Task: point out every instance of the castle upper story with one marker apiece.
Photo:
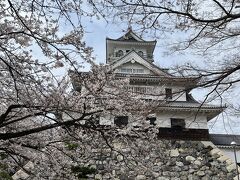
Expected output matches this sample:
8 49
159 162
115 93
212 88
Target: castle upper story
129 42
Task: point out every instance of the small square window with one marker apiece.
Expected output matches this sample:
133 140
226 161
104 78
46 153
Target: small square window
121 120
168 93
178 123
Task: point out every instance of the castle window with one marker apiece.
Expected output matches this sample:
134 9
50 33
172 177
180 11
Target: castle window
140 53
152 120
119 53
168 93
132 71
121 121
138 71
177 123
126 70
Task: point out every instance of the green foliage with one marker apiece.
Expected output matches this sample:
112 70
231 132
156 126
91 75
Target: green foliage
71 146
3 156
3 166
82 172
5 176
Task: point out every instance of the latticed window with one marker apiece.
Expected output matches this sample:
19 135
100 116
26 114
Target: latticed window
132 71
138 71
126 70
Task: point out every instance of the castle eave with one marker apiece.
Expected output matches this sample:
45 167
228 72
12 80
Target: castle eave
131 42
210 110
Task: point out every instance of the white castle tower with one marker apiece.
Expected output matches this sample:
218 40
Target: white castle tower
179 116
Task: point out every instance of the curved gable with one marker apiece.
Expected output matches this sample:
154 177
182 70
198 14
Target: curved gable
132 59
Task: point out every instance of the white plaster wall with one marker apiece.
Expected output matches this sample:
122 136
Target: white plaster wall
159 91
229 152
163 120
191 120
112 49
107 119
130 47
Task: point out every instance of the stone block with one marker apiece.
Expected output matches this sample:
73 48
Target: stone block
198 163
229 162
201 173
98 176
214 151
231 167
174 153
236 178
166 173
181 150
155 175
162 178
180 164
208 144
156 168
119 157
222 158
191 171
190 158
140 177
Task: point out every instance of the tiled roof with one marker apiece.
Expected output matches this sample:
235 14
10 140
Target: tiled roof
224 139
156 77
190 104
131 40
130 36
184 106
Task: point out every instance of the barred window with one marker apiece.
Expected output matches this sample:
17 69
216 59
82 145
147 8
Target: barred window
132 71
168 93
119 53
140 53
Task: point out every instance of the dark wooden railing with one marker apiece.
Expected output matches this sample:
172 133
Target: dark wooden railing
184 134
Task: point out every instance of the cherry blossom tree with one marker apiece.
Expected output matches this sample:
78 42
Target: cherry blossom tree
41 117
44 122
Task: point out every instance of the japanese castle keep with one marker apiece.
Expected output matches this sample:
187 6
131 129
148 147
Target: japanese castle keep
182 149
178 115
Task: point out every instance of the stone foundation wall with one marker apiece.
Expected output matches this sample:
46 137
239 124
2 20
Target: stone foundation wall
161 160
143 159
